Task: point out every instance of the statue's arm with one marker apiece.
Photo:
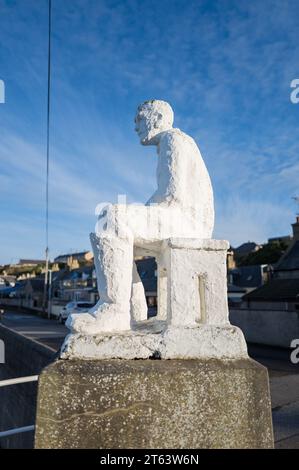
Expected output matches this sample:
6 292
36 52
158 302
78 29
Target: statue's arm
171 180
170 172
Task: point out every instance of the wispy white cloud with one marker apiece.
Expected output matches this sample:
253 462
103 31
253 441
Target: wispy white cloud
242 220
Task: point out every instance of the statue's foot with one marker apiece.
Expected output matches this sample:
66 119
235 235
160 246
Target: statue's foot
108 318
81 323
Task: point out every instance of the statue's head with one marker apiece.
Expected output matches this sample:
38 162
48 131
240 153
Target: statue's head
153 117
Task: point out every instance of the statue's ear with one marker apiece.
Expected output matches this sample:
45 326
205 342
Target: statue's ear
159 119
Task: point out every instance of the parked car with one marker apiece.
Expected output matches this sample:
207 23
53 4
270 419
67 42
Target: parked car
73 307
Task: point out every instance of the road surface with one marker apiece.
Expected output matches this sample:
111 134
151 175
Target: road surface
48 332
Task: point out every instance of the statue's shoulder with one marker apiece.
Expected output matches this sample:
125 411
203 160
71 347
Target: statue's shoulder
176 135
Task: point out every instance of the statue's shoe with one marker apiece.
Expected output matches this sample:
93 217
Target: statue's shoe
108 318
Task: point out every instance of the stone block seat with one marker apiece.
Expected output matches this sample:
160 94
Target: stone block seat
192 319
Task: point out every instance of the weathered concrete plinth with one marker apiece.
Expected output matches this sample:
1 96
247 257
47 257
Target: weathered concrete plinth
202 403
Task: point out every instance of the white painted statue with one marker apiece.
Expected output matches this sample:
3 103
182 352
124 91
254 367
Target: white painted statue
175 226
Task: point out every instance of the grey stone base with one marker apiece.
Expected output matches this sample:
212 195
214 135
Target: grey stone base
209 403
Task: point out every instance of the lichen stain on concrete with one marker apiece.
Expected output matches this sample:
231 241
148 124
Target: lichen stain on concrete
200 404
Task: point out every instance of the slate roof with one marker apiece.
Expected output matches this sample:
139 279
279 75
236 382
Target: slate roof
290 260
59 275
247 276
276 290
76 273
78 254
32 261
283 238
245 248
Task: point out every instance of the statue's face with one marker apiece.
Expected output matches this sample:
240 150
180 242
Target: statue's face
143 127
152 118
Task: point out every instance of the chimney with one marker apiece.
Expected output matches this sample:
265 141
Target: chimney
296 229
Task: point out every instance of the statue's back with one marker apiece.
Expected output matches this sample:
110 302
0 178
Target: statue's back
183 180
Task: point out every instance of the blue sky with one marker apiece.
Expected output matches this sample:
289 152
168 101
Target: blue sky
225 67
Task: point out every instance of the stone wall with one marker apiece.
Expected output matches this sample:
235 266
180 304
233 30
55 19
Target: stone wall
269 327
23 357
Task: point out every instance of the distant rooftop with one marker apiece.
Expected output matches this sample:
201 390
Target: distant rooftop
31 261
283 238
246 248
277 289
76 255
247 276
290 260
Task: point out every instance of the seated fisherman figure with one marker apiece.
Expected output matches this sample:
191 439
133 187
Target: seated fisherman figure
181 207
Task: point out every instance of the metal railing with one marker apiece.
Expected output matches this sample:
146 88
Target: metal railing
6 383
11 432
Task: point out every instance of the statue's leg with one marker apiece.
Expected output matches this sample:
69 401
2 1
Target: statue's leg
138 300
113 257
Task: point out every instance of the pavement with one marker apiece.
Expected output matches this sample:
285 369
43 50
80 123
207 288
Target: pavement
284 389
48 332
283 375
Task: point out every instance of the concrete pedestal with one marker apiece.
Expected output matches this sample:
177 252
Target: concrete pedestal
201 403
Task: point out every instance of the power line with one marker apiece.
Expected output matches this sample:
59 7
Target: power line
48 152
48 121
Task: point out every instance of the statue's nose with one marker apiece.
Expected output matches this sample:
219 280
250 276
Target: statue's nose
103 213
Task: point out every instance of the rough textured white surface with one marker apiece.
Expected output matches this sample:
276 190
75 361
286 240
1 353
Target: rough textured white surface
173 343
175 226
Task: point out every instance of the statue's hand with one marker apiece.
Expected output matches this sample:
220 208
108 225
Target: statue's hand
103 217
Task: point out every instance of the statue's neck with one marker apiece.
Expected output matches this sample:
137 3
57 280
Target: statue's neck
155 139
